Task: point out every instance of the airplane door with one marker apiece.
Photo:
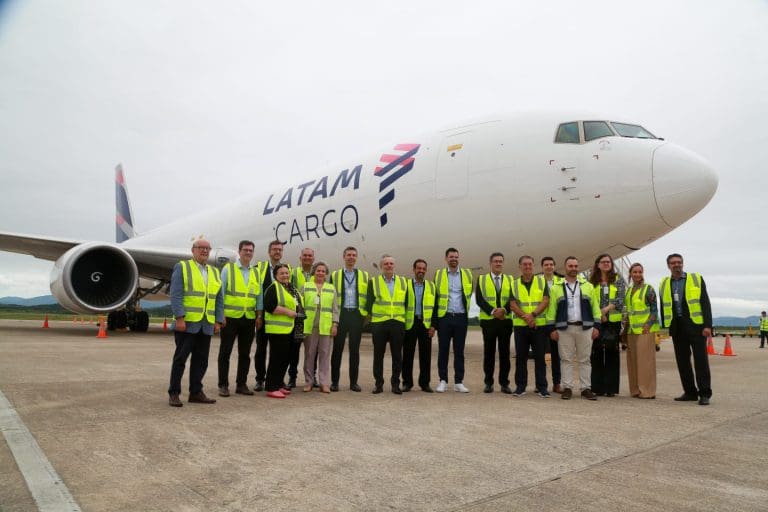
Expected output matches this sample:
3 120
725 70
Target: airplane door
452 166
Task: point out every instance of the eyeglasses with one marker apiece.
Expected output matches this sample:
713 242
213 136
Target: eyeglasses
201 248
605 262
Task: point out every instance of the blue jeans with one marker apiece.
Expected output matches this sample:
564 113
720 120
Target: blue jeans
451 326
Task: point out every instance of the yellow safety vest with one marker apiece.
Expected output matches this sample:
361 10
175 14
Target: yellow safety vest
327 295
298 279
552 308
239 298
337 277
764 323
385 306
262 267
692 297
427 304
487 287
276 323
199 299
441 284
638 311
529 300
613 315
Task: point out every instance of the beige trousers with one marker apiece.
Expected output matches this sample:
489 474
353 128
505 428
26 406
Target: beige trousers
320 345
641 364
575 345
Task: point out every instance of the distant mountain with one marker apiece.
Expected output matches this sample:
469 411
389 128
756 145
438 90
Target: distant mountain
48 300
733 321
43 300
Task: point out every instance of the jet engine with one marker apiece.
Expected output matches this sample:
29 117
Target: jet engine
94 278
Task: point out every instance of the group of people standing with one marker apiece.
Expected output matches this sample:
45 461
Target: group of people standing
579 321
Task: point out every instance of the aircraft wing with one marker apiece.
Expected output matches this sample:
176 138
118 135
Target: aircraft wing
44 248
152 262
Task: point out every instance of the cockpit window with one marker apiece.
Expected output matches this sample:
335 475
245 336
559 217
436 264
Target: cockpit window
632 130
596 129
568 133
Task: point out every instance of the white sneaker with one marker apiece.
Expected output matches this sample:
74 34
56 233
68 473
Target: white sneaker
442 387
461 388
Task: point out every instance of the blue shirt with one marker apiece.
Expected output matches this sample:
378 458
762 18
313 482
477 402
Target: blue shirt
350 289
677 287
177 302
418 291
455 292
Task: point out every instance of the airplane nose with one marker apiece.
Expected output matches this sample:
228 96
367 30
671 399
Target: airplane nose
683 183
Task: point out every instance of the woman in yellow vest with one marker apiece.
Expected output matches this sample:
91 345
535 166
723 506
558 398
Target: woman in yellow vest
322 307
282 307
641 327
609 290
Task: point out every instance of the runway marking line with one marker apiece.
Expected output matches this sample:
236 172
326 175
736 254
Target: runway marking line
45 485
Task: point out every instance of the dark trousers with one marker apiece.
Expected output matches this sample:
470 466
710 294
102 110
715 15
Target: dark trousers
763 337
198 345
393 332
417 333
279 355
554 354
687 340
605 360
496 333
451 327
350 323
244 330
260 357
527 339
293 361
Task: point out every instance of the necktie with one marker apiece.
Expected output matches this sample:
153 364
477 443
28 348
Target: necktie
498 290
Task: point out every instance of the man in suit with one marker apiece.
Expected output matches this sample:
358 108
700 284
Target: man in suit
352 289
266 276
418 327
492 295
453 287
387 296
197 303
240 283
686 311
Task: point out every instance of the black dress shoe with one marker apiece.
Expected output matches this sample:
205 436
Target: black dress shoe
427 389
488 389
407 388
291 383
242 389
506 389
334 387
174 401
686 398
567 394
223 390
397 390
259 386
377 390
704 400
356 388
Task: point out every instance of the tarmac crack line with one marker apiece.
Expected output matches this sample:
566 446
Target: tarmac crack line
606 462
45 485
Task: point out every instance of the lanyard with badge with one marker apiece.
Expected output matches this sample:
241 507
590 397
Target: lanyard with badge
572 295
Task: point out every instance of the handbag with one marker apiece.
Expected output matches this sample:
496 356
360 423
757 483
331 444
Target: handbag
608 339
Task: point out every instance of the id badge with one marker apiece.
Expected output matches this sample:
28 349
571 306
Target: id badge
676 297
605 290
317 299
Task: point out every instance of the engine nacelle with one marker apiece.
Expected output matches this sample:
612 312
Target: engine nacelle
94 277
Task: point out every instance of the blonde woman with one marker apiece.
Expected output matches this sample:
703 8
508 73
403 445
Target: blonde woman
322 307
642 326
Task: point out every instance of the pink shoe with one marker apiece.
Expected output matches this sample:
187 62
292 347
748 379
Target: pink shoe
285 391
275 394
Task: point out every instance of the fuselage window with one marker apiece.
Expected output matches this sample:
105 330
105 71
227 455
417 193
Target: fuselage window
596 129
568 133
632 130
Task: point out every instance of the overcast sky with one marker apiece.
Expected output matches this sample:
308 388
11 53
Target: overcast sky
190 94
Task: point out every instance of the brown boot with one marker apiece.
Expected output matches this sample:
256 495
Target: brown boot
557 388
174 401
200 398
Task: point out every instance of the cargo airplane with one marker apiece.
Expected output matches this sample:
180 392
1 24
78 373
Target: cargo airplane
546 183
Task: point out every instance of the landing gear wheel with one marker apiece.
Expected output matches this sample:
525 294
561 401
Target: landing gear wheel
141 322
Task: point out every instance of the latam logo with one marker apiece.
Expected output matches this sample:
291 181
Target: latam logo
396 165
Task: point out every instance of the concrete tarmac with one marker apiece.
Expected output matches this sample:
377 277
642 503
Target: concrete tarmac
98 409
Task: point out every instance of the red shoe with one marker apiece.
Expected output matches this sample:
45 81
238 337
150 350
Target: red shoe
285 391
275 394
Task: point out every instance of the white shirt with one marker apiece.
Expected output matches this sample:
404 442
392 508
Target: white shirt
573 296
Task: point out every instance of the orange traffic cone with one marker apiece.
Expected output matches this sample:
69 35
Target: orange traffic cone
74 319
711 347
728 350
102 330
45 322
